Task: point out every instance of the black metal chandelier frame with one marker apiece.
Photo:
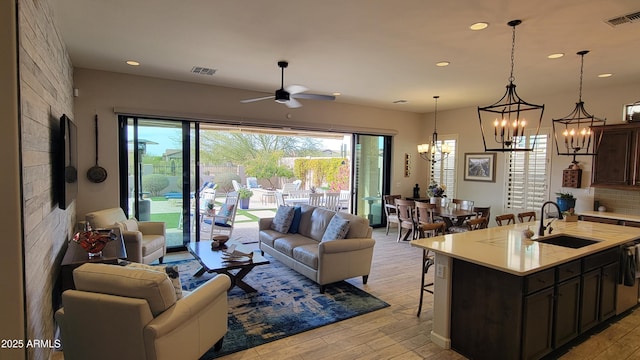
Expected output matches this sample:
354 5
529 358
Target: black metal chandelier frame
508 115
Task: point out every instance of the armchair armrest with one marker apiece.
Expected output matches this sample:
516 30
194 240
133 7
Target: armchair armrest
133 244
192 325
152 227
345 245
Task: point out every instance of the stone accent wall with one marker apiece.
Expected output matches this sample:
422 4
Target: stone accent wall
619 201
46 92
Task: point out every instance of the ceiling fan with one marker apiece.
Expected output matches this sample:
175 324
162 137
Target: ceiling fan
289 94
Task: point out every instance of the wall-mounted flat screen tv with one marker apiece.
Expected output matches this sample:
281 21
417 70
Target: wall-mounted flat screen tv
67 162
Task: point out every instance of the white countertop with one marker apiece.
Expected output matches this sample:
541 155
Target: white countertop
611 215
503 247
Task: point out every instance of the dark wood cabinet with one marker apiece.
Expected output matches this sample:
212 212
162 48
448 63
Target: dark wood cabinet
617 164
497 315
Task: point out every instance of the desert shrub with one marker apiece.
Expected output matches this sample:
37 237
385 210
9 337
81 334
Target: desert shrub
154 183
224 181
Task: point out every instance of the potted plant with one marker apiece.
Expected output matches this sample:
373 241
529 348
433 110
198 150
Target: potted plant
244 195
565 201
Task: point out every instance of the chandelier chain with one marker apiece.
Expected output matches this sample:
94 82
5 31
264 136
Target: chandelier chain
513 49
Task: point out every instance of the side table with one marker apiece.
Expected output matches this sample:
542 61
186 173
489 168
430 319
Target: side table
76 256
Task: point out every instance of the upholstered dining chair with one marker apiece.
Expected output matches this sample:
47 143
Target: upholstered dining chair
406 209
391 211
463 204
145 241
505 219
428 230
424 217
527 216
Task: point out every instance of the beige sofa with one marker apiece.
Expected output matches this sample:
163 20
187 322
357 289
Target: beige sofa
325 261
145 241
119 312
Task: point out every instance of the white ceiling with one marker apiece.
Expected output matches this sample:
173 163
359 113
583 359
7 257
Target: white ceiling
372 51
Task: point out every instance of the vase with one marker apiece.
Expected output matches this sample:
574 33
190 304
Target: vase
435 200
566 204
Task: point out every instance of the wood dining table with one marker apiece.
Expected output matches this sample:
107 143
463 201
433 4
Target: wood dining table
453 217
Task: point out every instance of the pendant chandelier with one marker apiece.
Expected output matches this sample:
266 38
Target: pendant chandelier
434 152
503 123
574 133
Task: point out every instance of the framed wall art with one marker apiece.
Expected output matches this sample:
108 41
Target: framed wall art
480 167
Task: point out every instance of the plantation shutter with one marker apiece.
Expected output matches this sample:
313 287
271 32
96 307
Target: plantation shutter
528 173
443 172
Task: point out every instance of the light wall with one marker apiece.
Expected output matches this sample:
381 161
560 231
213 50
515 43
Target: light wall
604 101
100 92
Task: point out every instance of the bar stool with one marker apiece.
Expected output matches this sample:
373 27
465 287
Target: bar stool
509 218
428 259
527 216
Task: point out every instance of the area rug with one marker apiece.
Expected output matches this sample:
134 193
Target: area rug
285 304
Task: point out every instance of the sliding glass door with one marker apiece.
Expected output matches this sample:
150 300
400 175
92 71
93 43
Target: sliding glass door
157 163
371 176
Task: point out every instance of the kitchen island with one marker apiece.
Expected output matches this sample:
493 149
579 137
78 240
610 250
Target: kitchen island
498 295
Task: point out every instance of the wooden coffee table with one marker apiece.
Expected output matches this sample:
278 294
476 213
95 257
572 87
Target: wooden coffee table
212 262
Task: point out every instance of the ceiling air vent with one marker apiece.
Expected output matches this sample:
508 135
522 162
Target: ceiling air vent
203 70
624 19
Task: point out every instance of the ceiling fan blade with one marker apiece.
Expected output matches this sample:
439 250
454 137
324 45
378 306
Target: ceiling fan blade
295 89
314 96
293 103
257 99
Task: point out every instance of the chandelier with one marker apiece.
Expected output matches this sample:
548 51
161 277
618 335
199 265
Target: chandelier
503 123
434 152
574 133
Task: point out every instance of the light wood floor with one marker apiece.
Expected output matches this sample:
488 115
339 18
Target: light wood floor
397 333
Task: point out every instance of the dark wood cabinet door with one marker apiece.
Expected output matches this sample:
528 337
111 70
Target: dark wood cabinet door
567 311
636 155
608 291
537 324
612 165
590 299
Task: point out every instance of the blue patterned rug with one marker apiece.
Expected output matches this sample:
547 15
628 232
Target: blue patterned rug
285 304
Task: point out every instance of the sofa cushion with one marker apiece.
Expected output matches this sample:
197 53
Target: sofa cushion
297 216
286 244
307 254
283 219
152 286
268 236
170 270
337 229
314 221
105 218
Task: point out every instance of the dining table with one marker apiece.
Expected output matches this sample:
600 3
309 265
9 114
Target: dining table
453 217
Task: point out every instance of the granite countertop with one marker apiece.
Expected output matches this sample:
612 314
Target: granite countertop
611 215
503 248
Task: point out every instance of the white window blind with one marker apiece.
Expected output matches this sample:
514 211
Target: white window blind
528 173
444 172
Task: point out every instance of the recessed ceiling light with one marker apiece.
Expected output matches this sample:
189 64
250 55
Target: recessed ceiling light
479 26
133 63
606 75
555 56
337 93
443 63
401 101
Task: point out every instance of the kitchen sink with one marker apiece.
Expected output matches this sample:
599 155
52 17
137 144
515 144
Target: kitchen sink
567 241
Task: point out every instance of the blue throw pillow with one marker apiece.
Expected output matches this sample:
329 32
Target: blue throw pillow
295 224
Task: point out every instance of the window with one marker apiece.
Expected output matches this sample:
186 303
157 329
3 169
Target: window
444 172
528 173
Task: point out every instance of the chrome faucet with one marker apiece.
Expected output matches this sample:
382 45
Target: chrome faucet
542 226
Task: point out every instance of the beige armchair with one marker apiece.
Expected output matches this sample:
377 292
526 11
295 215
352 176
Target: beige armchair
145 241
121 312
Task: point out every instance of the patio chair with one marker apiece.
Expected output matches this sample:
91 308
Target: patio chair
316 199
332 201
224 220
252 183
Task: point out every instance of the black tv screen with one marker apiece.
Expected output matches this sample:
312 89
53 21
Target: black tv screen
68 162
